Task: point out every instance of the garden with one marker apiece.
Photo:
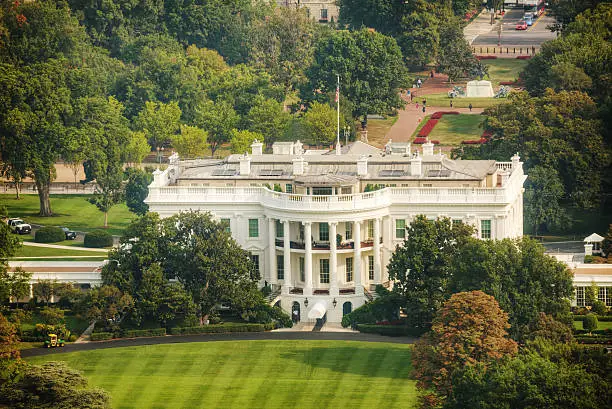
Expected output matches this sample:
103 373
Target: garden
451 128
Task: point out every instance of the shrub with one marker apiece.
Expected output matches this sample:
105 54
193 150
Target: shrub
101 336
604 318
43 330
49 234
51 316
599 308
475 142
389 330
486 57
220 329
135 333
98 239
523 57
590 322
266 314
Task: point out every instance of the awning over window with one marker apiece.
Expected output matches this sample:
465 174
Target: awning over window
318 311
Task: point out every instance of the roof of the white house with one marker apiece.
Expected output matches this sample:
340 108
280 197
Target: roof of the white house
319 167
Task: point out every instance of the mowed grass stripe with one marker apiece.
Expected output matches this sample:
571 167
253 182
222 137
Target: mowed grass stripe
250 374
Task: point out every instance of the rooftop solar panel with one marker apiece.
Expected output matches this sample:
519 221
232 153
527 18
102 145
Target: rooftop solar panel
225 172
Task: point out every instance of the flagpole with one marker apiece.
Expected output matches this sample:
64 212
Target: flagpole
338 113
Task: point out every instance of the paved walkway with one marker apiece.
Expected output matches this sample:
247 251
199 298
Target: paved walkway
259 336
58 246
480 25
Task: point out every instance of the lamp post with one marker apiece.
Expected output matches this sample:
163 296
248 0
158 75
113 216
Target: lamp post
334 303
306 303
347 132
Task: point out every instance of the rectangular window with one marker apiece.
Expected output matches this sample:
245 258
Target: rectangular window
579 296
348 231
322 191
226 225
457 222
371 229
485 229
323 232
324 271
400 229
323 14
604 294
280 267
349 269
280 231
371 267
288 188
253 227
255 260
302 269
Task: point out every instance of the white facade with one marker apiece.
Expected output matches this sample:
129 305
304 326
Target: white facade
323 11
293 233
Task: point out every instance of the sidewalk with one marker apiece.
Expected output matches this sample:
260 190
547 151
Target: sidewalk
57 246
480 25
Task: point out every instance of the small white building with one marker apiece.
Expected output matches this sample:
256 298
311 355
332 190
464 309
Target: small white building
322 226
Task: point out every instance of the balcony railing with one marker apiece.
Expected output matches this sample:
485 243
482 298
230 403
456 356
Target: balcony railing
188 195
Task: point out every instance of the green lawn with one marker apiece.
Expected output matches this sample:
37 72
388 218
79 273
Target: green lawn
251 374
504 69
70 243
377 130
442 100
452 129
75 324
31 251
72 211
600 325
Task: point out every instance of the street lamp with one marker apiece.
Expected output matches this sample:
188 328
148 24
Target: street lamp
334 303
306 303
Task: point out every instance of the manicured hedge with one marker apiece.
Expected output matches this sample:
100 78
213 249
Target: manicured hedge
101 336
486 57
221 328
523 57
594 339
49 234
98 239
388 330
428 127
135 333
439 114
600 318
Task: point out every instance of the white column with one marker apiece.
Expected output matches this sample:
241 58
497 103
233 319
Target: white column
377 279
357 258
308 257
272 277
388 248
333 260
287 257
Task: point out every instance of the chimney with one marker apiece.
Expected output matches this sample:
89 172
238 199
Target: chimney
515 161
297 148
388 147
362 166
416 165
158 178
256 148
245 165
428 148
298 166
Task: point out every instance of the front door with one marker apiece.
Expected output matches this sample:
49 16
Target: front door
295 312
347 307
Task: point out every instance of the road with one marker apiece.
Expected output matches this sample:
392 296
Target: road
533 36
253 336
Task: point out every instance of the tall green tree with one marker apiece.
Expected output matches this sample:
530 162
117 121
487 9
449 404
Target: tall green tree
136 189
218 119
159 122
268 118
370 66
455 57
321 119
241 141
421 267
543 193
191 142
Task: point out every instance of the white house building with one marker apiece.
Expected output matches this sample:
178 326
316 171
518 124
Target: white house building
321 225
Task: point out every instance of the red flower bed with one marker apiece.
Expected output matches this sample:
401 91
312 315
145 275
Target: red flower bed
420 140
438 114
426 130
475 142
394 322
487 57
487 134
507 83
523 57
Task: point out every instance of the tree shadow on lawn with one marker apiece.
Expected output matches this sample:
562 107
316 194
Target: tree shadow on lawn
387 362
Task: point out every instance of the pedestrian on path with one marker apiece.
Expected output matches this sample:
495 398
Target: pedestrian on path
411 96
470 106
451 103
419 82
423 108
432 74
417 105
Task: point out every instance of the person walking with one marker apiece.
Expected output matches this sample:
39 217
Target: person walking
470 106
417 105
451 103
423 108
432 74
419 82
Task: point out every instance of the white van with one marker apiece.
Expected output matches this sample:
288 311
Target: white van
528 18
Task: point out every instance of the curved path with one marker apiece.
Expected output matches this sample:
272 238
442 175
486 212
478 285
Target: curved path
242 336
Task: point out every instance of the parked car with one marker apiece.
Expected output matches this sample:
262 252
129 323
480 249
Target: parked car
19 226
521 25
70 235
528 19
